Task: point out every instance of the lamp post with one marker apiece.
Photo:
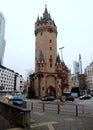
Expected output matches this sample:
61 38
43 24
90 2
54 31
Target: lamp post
31 89
61 53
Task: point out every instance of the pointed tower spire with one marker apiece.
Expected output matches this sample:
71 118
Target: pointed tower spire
41 57
38 20
58 59
45 14
46 9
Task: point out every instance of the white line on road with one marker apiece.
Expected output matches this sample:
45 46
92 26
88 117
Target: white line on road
49 124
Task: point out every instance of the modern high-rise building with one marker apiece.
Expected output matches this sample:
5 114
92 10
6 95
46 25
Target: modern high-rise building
51 74
78 66
2 40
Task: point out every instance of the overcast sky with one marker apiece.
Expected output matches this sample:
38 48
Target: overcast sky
74 20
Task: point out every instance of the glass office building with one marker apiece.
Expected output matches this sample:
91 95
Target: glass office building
2 41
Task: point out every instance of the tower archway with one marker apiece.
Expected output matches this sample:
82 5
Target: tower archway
51 91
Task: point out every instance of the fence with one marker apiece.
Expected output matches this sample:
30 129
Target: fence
77 110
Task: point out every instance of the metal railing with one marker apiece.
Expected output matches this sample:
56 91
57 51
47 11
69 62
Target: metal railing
77 110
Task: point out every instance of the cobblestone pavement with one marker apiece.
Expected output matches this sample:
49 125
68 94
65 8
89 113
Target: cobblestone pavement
54 121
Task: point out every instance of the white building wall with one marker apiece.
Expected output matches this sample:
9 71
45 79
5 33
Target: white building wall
18 83
21 83
8 80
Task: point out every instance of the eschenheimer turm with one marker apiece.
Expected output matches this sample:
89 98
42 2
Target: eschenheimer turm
51 75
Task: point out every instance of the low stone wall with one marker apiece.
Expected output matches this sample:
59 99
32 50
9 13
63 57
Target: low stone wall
17 116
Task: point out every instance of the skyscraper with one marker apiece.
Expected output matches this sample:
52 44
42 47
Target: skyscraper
2 41
78 66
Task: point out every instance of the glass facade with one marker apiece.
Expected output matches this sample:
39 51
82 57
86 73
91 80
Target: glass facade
2 41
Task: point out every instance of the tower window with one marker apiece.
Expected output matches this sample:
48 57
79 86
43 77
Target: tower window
50 48
50 30
50 60
50 56
50 65
41 33
50 41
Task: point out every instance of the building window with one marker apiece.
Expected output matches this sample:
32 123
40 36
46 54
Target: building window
50 48
50 60
50 56
50 41
50 65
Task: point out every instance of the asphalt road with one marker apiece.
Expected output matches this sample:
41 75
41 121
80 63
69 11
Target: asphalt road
77 106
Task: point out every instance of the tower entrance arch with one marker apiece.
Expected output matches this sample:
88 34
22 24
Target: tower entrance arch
51 91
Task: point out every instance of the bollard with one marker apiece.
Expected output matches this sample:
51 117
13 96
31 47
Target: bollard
76 110
43 105
83 109
58 108
32 105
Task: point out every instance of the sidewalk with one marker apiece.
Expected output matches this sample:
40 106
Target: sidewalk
53 121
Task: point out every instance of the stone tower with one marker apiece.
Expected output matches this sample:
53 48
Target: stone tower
46 43
51 74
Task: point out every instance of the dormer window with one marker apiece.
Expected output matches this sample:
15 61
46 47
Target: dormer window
50 30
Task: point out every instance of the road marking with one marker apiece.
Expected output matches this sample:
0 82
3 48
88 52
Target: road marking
49 124
41 114
69 119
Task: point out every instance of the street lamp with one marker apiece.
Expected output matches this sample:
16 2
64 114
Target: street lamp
61 53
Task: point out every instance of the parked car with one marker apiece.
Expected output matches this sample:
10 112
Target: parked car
48 98
86 96
70 98
14 96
